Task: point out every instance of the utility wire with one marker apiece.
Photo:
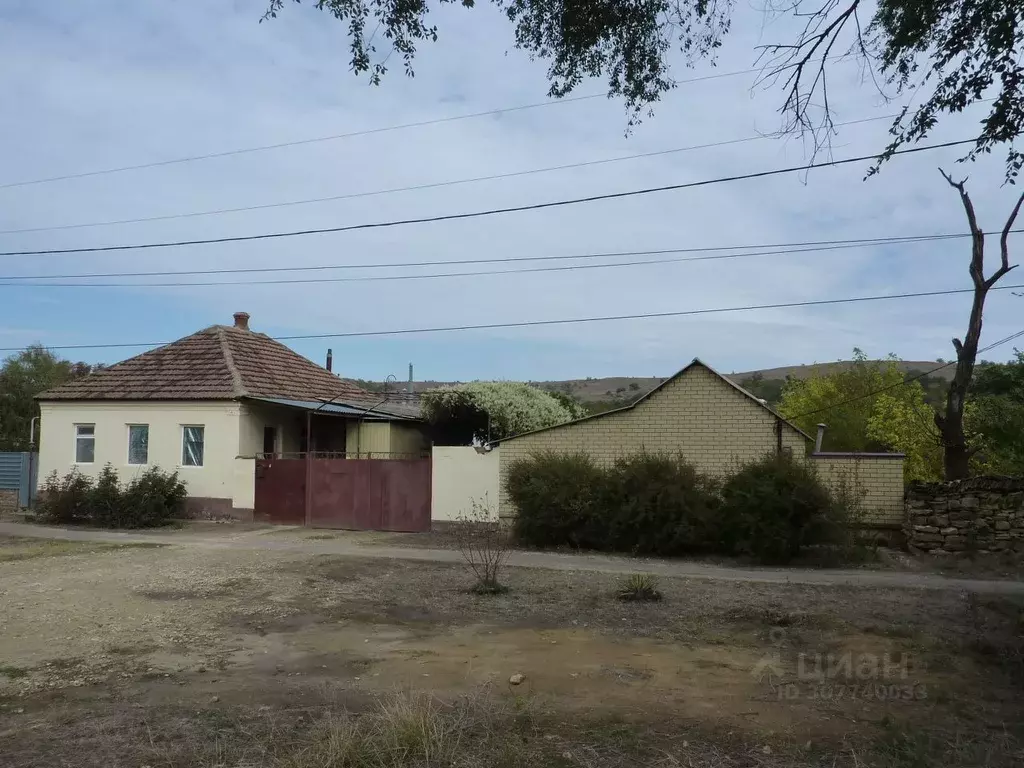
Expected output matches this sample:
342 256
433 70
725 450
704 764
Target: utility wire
567 321
797 247
908 380
441 275
337 136
413 188
478 214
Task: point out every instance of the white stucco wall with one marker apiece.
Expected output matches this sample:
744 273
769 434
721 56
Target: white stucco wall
458 475
222 476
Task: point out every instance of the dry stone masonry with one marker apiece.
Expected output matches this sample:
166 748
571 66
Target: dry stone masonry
982 514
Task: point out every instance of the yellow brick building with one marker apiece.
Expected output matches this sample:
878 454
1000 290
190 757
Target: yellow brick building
714 424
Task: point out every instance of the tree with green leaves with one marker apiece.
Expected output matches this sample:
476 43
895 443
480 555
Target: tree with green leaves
467 414
950 54
867 407
22 377
995 417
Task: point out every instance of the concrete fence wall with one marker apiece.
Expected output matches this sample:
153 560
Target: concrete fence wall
876 477
983 514
460 475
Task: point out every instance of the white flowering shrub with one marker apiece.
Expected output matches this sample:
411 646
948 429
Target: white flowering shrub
491 410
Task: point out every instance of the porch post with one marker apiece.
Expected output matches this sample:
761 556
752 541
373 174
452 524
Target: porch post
309 470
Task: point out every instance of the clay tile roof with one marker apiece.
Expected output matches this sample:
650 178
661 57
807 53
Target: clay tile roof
217 363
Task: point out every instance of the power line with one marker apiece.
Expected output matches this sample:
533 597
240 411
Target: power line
908 380
478 214
808 246
568 321
413 188
337 136
441 275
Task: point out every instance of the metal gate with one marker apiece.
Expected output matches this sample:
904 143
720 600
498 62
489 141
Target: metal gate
19 472
353 494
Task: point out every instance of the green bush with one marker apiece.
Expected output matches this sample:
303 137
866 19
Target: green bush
773 507
644 504
770 509
152 499
656 505
148 500
555 496
65 499
105 500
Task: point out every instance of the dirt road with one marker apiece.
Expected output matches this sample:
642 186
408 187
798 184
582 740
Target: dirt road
298 540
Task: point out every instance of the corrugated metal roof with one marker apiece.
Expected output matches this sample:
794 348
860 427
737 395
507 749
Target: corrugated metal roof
338 409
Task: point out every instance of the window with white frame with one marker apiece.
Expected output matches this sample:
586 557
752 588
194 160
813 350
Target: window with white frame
85 443
138 443
192 443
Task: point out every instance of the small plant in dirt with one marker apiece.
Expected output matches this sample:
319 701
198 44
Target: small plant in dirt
485 543
640 587
146 501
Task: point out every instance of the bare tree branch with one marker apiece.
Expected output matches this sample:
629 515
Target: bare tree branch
1004 247
812 51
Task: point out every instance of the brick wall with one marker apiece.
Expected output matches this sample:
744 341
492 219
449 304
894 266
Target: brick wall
982 514
879 477
711 423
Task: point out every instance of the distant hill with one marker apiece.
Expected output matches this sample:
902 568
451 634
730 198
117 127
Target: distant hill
803 371
612 391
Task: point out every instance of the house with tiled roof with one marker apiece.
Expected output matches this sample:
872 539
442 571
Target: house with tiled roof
208 406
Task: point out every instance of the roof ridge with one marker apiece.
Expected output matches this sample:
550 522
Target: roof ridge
229 359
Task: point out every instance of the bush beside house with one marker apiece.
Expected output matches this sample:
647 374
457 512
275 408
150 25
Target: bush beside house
148 500
770 509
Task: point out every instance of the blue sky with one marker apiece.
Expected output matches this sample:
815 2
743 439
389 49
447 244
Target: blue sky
116 82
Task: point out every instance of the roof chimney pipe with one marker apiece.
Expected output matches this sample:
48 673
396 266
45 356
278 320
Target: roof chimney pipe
409 387
819 438
330 360
242 320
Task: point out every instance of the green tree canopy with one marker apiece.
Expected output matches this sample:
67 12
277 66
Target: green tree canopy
950 53
995 417
464 414
22 377
861 418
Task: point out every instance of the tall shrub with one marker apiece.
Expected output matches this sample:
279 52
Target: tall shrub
644 504
771 508
152 499
555 495
65 499
146 501
658 505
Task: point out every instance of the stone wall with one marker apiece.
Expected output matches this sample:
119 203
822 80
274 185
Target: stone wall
982 514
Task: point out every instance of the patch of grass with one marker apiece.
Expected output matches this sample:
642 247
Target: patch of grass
14 548
321 536
902 746
640 587
480 588
12 672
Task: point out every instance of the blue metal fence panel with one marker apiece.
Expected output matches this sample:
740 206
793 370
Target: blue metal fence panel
20 471
11 470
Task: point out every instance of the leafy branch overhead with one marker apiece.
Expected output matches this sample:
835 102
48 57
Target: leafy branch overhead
949 54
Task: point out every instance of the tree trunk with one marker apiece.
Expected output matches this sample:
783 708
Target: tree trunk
956 453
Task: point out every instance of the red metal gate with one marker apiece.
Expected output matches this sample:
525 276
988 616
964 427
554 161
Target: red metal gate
354 494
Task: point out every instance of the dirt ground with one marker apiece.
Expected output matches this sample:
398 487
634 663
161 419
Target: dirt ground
177 656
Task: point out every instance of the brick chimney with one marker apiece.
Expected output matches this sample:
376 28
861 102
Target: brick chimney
242 320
